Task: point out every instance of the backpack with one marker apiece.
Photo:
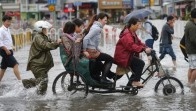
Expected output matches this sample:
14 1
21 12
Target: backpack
155 32
183 48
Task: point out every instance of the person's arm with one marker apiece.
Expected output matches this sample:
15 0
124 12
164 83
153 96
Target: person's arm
191 35
130 45
66 43
2 46
45 45
148 28
169 29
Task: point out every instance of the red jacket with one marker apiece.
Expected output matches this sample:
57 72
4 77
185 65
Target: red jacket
127 46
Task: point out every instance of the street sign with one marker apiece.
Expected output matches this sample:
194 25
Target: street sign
77 3
145 1
51 8
51 1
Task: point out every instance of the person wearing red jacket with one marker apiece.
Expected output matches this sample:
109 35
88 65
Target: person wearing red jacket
127 50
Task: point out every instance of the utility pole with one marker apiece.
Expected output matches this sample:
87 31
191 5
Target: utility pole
1 13
195 3
77 4
27 9
173 5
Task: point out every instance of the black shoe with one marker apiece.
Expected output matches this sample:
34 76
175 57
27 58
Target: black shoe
111 75
128 87
117 77
105 81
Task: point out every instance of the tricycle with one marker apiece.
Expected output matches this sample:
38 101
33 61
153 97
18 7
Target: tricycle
78 79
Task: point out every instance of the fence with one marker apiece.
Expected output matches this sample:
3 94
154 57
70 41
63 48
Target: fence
21 38
111 33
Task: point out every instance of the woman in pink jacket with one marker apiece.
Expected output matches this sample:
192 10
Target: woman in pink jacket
127 50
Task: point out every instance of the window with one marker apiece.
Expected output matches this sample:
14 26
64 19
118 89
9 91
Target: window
7 1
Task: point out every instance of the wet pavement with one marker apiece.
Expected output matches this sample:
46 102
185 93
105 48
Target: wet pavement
13 97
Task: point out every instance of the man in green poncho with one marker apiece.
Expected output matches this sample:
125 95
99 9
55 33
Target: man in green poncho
40 59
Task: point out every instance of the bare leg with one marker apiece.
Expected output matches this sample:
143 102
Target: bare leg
16 72
2 71
193 76
149 59
175 65
189 75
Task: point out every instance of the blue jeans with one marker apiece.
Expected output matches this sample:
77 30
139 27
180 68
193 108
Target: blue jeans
149 43
167 49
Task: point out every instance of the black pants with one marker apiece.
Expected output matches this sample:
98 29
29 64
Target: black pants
137 66
7 60
97 66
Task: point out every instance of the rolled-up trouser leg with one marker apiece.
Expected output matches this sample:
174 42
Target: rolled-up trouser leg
29 83
41 76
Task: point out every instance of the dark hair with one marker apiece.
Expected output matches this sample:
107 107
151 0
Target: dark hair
6 17
94 18
78 22
193 13
101 16
90 24
132 21
170 17
69 28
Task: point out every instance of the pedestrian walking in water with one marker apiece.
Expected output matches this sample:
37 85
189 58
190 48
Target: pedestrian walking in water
190 43
147 33
40 58
166 40
6 49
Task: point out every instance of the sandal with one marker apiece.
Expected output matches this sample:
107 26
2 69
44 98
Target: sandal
137 84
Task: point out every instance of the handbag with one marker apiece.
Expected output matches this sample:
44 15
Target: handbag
122 70
160 48
93 53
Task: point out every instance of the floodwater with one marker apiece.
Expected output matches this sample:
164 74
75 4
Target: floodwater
13 97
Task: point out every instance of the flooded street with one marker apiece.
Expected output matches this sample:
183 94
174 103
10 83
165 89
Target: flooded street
13 97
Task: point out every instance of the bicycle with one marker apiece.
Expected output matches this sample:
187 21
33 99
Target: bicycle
73 82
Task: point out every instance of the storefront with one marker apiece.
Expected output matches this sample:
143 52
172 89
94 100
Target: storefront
43 11
116 9
29 11
183 7
11 10
87 9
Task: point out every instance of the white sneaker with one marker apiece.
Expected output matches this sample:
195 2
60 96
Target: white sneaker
19 82
174 68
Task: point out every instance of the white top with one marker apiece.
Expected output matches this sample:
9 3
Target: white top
5 38
148 28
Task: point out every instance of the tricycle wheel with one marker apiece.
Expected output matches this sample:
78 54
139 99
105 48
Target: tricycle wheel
169 85
71 85
169 89
134 91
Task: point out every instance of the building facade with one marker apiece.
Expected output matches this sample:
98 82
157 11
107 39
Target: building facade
181 8
116 9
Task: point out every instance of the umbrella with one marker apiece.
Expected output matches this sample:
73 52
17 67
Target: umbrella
140 14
